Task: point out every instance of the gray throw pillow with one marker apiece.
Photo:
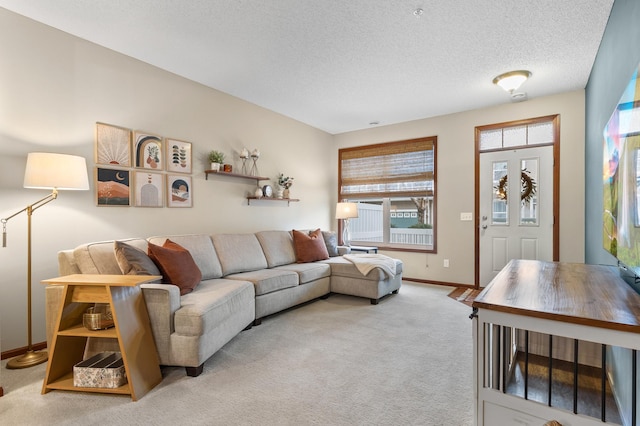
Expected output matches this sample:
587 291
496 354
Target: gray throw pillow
133 261
331 241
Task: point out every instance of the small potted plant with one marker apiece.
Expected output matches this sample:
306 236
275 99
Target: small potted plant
284 183
216 158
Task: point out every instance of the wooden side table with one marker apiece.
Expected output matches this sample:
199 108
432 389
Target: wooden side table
132 330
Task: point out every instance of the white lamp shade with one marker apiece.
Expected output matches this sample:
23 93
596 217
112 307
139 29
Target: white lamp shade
346 210
60 171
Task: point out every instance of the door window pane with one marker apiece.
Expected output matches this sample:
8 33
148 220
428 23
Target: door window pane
529 191
499 206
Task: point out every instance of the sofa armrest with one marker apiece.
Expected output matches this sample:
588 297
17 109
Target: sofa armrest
162 301
342 250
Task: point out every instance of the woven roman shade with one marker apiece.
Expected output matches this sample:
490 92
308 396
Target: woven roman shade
397 169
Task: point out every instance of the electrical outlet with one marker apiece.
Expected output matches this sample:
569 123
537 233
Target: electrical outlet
446 263
466 216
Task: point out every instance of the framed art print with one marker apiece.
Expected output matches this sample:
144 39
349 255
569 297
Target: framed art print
178 156
148 189
113 145
113 187
147 151
179 191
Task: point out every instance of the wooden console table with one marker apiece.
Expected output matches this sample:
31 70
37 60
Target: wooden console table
132 330
566 304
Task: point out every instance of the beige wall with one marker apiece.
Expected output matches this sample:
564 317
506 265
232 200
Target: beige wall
455 186
54 87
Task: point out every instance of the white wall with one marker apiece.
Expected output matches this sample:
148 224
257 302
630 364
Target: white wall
54 87
455 179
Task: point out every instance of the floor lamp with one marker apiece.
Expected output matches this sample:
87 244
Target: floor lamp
44 171
346 211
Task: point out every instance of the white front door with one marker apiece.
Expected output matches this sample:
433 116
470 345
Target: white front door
516 220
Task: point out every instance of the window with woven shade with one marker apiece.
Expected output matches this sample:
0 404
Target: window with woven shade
394 185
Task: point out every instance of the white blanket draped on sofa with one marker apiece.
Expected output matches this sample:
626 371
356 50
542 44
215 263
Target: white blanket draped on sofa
366 262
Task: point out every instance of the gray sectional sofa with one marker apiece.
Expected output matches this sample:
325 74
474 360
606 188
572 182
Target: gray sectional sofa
245 278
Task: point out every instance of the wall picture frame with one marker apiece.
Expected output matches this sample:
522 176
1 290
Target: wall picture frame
179 191
113 187
147 151
178 156
148 189
112 145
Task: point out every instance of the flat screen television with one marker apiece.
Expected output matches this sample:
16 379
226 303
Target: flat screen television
621 180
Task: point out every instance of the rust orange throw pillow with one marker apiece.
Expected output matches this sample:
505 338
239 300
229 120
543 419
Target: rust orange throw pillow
177 265
309 248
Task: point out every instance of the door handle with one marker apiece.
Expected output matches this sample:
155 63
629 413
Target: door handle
484 226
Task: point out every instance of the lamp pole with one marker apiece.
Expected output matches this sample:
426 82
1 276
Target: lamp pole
31 357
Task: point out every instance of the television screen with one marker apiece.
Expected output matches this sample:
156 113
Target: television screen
621 179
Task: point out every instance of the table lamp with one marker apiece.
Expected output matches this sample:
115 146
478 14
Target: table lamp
44 171
346 211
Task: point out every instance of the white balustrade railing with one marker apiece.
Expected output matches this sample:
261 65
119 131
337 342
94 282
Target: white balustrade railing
368 227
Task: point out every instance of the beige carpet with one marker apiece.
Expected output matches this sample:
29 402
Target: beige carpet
340 361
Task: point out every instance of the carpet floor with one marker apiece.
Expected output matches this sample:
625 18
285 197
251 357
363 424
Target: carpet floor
340 361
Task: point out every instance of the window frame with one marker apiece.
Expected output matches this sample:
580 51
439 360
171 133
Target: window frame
386 196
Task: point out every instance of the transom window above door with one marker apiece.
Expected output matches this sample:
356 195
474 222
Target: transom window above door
538 131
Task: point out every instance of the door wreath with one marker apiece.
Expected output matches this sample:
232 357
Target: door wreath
527 189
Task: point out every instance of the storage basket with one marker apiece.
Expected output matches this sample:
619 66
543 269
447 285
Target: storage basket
104 370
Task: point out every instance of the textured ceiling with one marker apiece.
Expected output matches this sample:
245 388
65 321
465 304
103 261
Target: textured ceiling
339 65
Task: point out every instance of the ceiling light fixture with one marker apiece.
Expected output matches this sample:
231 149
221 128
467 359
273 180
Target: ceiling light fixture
418 12
510 81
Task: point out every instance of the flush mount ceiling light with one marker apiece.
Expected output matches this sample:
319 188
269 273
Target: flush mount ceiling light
510 81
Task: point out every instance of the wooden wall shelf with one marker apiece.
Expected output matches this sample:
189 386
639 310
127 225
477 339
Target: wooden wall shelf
234 175
288 200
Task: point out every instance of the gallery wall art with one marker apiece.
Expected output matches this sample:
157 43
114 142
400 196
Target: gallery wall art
179 191
147 151
113 145
178 156
138 166
149 189
113 187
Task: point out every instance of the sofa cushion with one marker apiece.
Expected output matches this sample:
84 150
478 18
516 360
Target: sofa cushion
277 247
309 247
99 257
201 248
268 280
331 241
239 253
133 261
308 272
177 265
213 302
343 268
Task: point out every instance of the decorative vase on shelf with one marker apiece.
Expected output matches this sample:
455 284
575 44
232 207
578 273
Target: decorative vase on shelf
258 192
280 193
215 167
285 193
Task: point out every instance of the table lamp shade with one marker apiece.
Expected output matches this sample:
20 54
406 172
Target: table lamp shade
60 171
346 210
